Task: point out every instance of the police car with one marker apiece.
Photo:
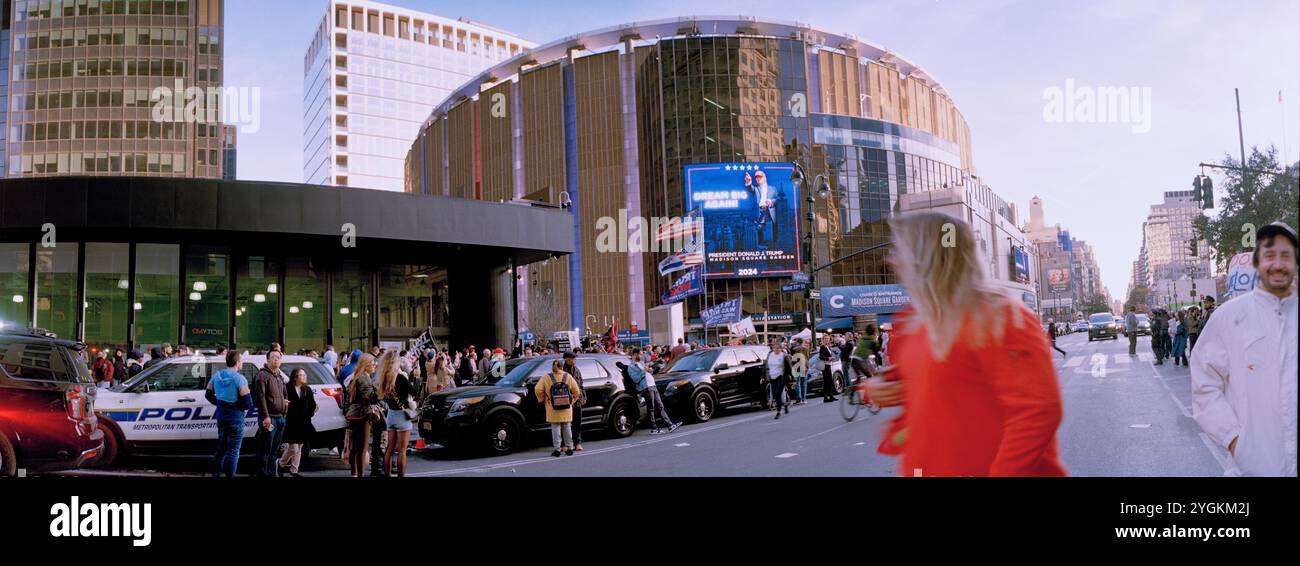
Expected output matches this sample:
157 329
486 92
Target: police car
163 410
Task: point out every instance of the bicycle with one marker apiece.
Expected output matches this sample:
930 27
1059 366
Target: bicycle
855 394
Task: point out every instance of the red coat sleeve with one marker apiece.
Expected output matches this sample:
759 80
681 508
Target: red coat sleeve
1026 388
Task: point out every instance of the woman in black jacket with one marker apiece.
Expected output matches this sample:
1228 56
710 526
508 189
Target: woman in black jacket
298 430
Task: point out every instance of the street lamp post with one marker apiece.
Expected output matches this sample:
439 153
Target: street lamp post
823 190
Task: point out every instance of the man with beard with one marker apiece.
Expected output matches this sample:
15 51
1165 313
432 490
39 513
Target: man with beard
1244 376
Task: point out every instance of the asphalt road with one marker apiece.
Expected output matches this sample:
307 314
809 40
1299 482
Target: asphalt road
1123 417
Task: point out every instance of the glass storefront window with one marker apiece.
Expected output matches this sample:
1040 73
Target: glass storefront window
15 265
207 300
157 273
405 296
257 303
304 294
351 308
56 289
107 294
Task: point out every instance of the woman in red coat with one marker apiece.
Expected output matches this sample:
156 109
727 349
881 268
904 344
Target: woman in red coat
974 372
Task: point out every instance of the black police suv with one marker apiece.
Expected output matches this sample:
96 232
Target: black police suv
701 382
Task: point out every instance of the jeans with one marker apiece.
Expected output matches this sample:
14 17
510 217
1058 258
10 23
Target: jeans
1132 343
776 389
576 433
230 436
802 387
655 404
268 447
562 436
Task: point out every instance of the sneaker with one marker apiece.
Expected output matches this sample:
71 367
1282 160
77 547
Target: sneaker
555 453
673 426
568 452
656 431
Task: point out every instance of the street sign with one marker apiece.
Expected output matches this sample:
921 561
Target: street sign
815 294
800 277
794 287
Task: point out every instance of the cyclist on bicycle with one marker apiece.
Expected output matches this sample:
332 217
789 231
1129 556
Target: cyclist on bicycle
868 349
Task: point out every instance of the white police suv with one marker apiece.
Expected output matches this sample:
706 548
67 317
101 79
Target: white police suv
163 410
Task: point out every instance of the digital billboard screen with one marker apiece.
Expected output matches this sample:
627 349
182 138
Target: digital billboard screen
751 215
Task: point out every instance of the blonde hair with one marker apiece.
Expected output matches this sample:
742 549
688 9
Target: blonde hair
937 263
389 367
365 367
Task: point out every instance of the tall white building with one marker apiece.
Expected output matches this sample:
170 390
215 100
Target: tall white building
372 74
1169 234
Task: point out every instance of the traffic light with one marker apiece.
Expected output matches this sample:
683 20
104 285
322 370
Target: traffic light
1203 191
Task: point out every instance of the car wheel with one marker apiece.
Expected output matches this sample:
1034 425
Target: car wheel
838 379
703 406
622 419
8 459
112 445
503 432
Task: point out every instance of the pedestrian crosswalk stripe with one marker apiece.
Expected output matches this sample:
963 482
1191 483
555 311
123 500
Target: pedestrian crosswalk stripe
682 444
1123 359
1146 357
787 455
1074 361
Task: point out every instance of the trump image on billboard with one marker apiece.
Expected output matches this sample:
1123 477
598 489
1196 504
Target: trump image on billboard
751 213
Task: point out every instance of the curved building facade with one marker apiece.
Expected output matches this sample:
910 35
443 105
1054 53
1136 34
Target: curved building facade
611 119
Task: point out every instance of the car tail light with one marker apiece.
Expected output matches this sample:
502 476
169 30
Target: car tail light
336 393
76 403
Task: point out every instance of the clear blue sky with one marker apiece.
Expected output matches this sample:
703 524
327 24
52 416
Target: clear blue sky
994 57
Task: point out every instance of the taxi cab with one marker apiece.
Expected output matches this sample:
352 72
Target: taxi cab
163 410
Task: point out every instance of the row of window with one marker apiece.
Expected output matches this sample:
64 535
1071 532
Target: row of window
99 130
60 99
101 68
102 162
48 9
401 27
105 36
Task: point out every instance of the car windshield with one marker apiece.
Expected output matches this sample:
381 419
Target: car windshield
1102 318
517 373
490 378
1142 319
695 361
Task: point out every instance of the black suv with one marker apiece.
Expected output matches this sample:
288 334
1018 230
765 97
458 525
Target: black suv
497 416
701 382
47 394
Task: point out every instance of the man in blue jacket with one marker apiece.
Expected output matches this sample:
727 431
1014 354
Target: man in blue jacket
645 385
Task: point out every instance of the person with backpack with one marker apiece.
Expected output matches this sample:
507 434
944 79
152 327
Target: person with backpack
557 391
298 428
363 400
229 391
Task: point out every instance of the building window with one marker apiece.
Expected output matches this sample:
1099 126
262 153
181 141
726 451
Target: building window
56 289
305 308
351 308
157 281
207 297
107 294
257 303
15 302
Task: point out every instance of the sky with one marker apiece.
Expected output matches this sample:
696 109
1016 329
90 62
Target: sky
999 60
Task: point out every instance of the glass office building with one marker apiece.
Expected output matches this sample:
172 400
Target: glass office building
610 119
79 79
372 74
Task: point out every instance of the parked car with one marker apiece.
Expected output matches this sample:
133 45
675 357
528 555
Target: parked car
700 383
163 410
1081 326
500 416
1102 325
47 404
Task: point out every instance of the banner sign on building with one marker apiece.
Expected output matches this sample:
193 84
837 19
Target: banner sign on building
683 238
688 285
863 299
751 212
1020 264
722 313
1058 280
1241 275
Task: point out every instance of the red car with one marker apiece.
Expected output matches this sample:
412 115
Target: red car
47 417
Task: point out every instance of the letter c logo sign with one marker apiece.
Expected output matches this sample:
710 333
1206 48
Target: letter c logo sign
837 301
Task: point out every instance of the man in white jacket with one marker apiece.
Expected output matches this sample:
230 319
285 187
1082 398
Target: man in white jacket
1244 373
